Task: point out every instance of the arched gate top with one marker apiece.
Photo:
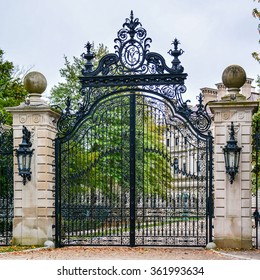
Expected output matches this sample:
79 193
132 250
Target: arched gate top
133 68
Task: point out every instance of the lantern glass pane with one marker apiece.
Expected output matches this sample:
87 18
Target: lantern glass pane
28 161
24 161
232 159
237 158
21 162
226 158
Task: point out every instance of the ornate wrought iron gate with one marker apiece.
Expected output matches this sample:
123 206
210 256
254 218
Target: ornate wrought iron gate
134 163
6 184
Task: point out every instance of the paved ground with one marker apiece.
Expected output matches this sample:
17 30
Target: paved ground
126 253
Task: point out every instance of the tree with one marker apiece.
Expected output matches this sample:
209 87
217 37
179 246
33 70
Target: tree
12 91
103 152
256 121
71 85
256 14
99 152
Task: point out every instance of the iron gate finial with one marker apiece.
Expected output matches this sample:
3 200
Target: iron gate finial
132 24
176 53
133 66
89 56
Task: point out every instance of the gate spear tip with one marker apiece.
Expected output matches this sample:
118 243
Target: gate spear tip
132 15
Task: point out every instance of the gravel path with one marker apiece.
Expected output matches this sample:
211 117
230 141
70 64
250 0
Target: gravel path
127 253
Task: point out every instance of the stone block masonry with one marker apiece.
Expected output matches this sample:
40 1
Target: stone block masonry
34 203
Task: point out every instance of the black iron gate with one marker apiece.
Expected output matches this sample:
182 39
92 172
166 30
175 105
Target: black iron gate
134 163
6 184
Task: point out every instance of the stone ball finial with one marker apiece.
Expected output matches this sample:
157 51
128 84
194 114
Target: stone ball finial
234 76
35 82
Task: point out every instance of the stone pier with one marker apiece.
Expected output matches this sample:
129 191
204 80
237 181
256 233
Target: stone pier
34 202
232 202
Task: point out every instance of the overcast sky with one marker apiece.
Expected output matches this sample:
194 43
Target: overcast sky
213 33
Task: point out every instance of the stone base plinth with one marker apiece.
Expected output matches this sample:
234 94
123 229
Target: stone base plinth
32 231
232 243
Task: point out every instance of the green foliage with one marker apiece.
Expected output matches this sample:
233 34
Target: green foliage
100 159
12 91
256 119
98 154
256 14
255 153
6 249
71 85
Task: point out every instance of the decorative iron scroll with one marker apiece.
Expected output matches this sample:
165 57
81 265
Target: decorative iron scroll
171 173
134 161
132 54
133 68
200 118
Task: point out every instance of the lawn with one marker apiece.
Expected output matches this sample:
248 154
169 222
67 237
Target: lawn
5 249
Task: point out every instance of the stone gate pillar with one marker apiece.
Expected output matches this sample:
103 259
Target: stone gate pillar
34 202
232 202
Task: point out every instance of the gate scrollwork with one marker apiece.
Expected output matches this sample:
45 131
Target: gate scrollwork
134 160
134 68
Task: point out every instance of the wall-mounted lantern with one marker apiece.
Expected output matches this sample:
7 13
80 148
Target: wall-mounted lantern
232 155
24 156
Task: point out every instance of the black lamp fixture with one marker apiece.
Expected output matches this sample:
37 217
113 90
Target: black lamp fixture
24 156
232 155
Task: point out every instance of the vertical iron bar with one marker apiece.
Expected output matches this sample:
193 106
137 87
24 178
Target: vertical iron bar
198 193
132 168
148 194
68 214
256 172
172 202
107 203
143 170
122 204
91 185
210 191
165 137
57 194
